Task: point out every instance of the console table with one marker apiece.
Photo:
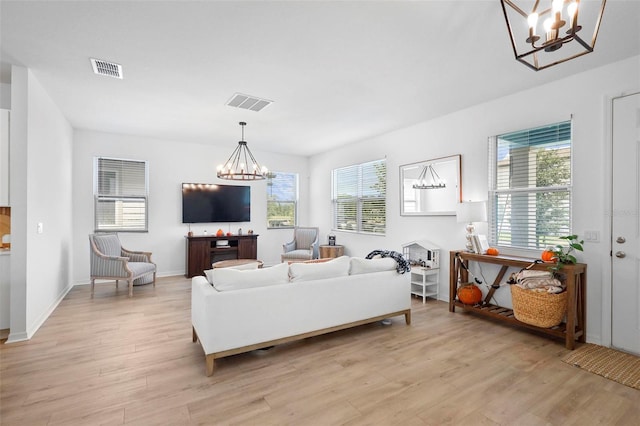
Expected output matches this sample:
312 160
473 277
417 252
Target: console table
574 328
202 251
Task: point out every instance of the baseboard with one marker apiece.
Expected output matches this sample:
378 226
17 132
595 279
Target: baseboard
158 275
22 336
46 314
17 337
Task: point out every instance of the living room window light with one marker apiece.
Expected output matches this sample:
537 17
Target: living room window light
282 200
530 187
359 197
121 189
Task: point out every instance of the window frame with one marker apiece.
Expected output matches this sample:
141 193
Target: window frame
293 201
532 242
359 198
99 225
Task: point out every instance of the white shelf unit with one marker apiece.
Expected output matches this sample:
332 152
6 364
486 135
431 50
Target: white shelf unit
424 258
424 282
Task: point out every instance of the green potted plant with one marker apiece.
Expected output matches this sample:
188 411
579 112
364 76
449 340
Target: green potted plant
563 254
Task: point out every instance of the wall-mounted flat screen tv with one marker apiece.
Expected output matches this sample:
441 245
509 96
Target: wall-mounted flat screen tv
208 203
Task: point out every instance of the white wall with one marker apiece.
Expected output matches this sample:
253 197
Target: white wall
40 144
465 132
5 96
170 164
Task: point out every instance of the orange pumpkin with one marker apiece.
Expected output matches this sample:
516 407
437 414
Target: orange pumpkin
492 251
548 256
469 294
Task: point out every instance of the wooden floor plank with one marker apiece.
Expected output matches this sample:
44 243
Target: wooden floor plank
119 360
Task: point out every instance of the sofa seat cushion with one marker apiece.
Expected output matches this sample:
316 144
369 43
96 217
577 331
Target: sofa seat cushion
365 266
227 279
338 267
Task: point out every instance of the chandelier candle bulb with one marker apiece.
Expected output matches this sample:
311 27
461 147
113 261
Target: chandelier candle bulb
572 11
533 22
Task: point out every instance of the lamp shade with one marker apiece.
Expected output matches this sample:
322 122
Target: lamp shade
472 211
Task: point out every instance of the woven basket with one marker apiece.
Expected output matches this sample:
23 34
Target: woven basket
541 309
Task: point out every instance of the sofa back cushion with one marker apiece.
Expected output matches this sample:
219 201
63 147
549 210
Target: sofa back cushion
338 267
366 266
226 279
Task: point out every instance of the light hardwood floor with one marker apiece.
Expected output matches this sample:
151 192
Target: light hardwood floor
114 360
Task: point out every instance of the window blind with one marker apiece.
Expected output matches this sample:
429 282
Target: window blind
359 197
530 187
282 199
120 193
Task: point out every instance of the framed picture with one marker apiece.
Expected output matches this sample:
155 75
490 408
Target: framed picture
480 243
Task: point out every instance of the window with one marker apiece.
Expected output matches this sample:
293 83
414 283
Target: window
282 199
120 194
530 187
359 197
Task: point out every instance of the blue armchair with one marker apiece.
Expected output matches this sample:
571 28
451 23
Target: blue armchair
110 261
305 245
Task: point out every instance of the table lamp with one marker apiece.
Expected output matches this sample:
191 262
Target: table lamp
469 212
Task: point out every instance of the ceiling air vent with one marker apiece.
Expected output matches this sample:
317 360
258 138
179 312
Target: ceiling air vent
252 103
109 69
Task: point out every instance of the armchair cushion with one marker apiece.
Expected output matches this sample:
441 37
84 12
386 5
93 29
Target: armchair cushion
141 268
108 244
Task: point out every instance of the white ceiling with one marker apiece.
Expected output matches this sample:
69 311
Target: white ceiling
339 71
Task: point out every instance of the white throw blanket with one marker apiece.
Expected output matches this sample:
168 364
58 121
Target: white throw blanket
539 281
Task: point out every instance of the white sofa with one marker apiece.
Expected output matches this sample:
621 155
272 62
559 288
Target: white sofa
253 309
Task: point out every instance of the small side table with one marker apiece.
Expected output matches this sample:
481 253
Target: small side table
331 252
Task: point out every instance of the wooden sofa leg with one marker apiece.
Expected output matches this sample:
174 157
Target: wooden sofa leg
154 280
210 360
194 335
131 288
117 282
407 317
93 284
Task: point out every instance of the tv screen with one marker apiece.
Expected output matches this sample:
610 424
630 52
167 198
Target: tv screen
207 203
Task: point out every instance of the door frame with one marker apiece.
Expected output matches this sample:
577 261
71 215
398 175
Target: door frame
607 272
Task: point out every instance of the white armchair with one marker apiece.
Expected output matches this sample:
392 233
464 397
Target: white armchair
110 261
305 245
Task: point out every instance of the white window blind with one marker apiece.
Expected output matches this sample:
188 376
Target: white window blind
282 199
530 187
120 193
359 197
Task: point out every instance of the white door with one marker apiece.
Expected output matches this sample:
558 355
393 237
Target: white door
625 259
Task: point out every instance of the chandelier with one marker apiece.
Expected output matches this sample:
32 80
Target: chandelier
435 181
566 28
241 165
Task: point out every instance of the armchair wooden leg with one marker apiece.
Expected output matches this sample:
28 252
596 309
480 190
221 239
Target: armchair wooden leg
131 288
407 318
154 280
194 335
93 284
117 281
